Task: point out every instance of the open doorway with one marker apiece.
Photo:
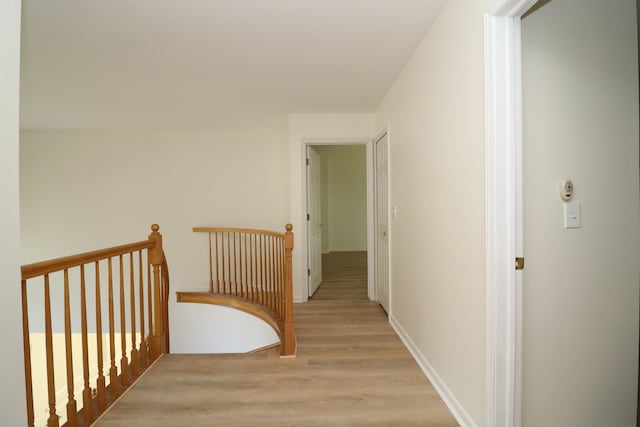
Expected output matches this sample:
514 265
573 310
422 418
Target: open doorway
337 221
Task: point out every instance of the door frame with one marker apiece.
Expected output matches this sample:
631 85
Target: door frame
504 221
308 150
385 131
368 143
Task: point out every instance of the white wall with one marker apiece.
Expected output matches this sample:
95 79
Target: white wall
435 115
581 285
305 128
346 197
86 189
12 390
246 334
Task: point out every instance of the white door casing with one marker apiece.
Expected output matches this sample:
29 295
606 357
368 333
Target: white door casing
382 220
503 184
304 249
314 220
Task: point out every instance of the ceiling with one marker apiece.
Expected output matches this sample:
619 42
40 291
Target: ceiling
200 63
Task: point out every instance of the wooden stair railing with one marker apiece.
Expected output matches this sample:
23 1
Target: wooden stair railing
134 280
250 270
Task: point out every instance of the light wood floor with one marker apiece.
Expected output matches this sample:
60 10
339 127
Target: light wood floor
351 370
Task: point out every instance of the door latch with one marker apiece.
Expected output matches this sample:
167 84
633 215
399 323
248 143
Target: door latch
519 263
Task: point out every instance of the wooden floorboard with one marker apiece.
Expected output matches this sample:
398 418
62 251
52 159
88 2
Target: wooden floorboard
351 370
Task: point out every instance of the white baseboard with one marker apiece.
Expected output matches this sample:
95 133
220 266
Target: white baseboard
449 399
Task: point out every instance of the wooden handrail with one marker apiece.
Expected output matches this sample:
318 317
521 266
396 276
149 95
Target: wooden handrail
141 312
41 268
252 267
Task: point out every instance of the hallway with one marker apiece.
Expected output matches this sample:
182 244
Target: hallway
351 370
344 277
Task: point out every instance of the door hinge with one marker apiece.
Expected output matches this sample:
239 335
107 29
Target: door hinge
308 217
307 162
519 263
308 272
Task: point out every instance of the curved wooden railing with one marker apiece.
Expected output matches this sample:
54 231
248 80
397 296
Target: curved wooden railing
134 280
250 270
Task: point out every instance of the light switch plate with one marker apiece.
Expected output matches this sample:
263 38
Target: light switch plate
572 215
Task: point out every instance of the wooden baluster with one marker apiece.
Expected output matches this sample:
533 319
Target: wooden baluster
101 392
288 347
267 273
265 266
274 265
53 420
250 259
256 261
276 298
223 261
268 269
267 241
26 341
240 264
245 268
113 370
280 278
217 266
149 307
261 282
241 240
132 302
124 362
220 270
72 411
283 281
249 256
273 273
143 346
231 290
229 261
224 268
210 265
235 265
240 273
254 267
277 273
87 405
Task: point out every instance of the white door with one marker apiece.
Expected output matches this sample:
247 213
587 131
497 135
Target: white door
580 290
382 221
314 221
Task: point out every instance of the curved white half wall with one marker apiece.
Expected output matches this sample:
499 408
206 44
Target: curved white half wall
205 328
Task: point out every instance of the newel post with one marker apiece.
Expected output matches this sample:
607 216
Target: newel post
156 257
288 344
